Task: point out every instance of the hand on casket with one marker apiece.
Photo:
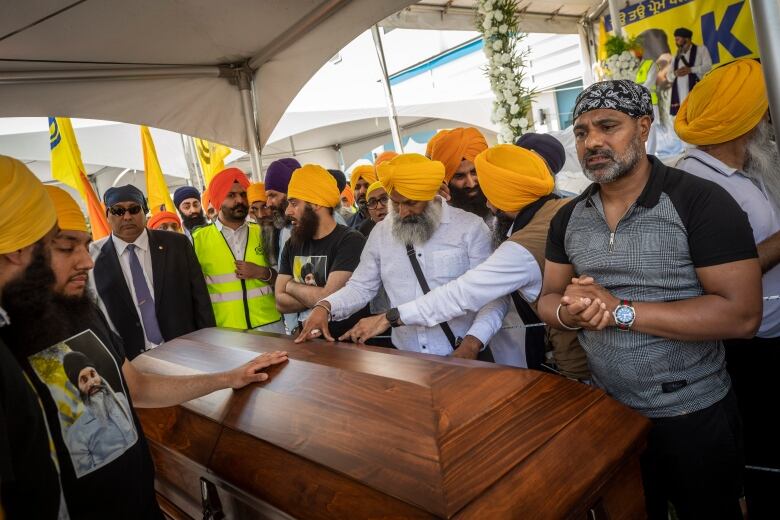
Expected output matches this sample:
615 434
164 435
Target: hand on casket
252 372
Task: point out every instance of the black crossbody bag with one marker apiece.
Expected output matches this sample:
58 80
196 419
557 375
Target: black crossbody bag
484 354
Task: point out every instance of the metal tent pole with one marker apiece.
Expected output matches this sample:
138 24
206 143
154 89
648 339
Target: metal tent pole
250 125
391 114
614 13
766 18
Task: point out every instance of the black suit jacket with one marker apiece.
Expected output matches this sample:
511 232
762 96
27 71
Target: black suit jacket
180 296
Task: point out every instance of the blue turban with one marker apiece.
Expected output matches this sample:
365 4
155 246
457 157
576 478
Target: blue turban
127 193
183 193
279 173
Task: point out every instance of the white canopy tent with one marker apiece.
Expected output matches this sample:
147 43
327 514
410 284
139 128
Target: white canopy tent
224 72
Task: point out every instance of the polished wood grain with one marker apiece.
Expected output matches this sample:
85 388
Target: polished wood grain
341 428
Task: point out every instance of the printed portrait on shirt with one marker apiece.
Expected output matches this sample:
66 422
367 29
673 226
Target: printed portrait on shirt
311 270
94 413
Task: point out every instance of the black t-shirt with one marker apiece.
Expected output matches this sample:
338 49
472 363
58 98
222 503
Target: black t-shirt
105 466
366 227
29 483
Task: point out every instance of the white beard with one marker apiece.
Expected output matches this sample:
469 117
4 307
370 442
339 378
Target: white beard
103 403
416 233
762 162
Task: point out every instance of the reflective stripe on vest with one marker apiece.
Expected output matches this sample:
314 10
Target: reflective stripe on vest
237 303
641 77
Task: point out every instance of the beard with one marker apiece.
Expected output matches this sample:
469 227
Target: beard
269 240
278 216
193 220
102 405
237 213
620 165
761 162
305 227
501 226
40 317
415 229
469 199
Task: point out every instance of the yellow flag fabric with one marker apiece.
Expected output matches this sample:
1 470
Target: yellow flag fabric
211 157
67 167
159 198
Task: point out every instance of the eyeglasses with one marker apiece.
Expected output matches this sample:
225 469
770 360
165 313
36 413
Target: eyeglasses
373 203
119 211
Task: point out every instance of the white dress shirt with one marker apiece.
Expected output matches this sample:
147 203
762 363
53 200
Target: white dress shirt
145 258
701 66
235 238
763 216
461 242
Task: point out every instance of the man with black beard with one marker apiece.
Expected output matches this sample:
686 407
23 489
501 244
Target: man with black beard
321 255
456 149
49 304
726 117
654 268
235 264
446 241
187 202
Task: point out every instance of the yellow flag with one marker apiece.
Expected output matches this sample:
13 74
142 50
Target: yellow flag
67 167
211 157
156 189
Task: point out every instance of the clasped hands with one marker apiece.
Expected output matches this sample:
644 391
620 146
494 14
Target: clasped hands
588 305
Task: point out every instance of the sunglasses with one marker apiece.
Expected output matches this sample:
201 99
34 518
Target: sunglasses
373 203
119 211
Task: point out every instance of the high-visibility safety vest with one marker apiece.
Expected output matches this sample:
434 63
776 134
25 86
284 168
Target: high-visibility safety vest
641 77
238 304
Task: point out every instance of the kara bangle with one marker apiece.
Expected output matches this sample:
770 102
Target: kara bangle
270 276
323 306
558 315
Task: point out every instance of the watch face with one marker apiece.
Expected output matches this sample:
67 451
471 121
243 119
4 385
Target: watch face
624 314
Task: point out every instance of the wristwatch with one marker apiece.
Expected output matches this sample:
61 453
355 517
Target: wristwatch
624 315
394 317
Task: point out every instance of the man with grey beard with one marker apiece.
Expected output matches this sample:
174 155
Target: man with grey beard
726 117
106 416
445 242
655 268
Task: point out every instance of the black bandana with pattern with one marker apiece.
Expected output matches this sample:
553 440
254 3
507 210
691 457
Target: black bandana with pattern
622 95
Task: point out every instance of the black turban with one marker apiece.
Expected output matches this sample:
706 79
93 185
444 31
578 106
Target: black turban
73 363
621 95
127 193
183 193
683 32
341 179
547 146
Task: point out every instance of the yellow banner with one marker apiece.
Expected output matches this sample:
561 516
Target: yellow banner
156 188
725 27
68 168
211 157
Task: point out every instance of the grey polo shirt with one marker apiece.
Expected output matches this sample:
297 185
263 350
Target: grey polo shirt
678 224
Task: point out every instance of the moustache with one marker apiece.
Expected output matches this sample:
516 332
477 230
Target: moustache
607 154
240 207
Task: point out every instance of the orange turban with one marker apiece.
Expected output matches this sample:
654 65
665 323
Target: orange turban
161 218
365 171
432 142
452 146
728 103
384 157
412 175
26 210
69 215
349 194
512 177
223 182
313 183
256 192
204 199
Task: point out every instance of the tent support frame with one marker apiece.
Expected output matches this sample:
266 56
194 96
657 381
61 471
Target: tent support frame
392 116
766 20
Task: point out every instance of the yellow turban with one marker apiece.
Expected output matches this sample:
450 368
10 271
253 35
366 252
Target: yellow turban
366 171
26 211
452 146
314 184
69 215
728 103
412 175
512 177
432 142
256 192
375 186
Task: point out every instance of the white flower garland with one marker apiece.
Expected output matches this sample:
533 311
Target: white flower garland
618 66
497 20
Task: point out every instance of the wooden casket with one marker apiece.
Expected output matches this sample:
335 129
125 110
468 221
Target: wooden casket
342 431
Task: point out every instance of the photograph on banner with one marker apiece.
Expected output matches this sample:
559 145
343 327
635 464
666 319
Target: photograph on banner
724 27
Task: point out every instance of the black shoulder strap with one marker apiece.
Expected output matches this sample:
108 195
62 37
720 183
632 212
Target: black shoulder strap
412 254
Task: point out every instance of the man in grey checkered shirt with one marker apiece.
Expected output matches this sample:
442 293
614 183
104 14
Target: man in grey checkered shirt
656 267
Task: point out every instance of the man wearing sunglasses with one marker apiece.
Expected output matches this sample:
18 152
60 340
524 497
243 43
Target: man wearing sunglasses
149 282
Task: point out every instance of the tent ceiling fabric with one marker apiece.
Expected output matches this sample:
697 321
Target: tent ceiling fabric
543 16
285 41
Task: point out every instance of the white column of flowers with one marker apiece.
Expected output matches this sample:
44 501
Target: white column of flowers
497 20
